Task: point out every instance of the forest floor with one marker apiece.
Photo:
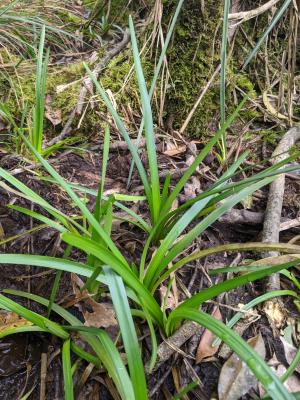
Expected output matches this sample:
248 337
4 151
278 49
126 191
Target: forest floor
78 159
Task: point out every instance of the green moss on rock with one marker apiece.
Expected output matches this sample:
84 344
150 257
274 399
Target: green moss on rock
192 58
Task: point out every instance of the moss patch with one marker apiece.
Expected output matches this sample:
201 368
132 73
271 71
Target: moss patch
192 58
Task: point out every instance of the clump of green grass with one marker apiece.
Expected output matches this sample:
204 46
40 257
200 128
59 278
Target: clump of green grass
20 21
133 287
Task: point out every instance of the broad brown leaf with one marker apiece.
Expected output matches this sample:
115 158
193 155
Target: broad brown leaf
205 349
236 379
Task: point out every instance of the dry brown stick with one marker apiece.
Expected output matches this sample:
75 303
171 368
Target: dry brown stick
246 15
121 145
43 376
166 349
236 216
87 85
270 232
198 101
160 382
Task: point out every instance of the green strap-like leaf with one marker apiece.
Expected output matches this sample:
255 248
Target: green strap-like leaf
244 351
67 370
89 247
128 332
215 290
149 131
100 342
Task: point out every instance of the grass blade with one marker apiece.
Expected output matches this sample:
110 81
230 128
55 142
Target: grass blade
224 60
40 92
253 303
251 246
33 214
148 122
91 284
105 154
189 172
55 286
118 196
199 228
174 233
145 315
67 370
101 344
8 7
36 319
156 74
293 365
209 293
124 133
127 275
80 204
30 194
21 329
267 31
128 332
223 74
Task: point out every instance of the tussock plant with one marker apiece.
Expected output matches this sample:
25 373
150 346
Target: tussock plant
20 21
133 287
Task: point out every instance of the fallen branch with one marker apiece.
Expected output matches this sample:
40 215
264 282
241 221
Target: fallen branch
86 86
235 216
271 227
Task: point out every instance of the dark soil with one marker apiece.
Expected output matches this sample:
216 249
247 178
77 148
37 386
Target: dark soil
20 355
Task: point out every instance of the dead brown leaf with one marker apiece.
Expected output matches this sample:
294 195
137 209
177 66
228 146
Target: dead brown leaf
170 301
236 379
10 320
173 150
275 313
99 315
102 315
205 348
290 352
53 115
192 188
292 383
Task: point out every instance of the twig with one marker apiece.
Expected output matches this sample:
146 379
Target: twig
43 376
160 382
87 85
246 15
121 145
166 348
201 95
